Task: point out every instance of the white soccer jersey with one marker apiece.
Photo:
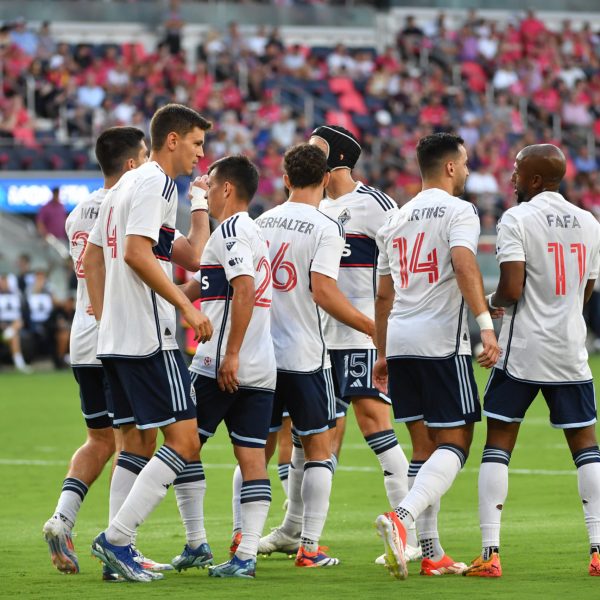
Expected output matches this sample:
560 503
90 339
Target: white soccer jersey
543 335
429 315
136 322
236 248
361 212
301 240
84 334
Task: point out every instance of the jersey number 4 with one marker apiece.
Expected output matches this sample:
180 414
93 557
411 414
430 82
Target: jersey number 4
558 250
429 266
111 236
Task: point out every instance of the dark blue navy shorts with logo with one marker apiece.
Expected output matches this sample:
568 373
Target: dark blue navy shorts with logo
247 412
308 397
571 404
441 391
151 392
353 377
94 393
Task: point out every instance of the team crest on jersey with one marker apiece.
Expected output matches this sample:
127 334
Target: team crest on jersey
207 361
229 245
344 217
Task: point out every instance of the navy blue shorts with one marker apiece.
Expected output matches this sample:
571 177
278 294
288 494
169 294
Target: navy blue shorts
571 404
94 393
441 391
150 392
247 412
353 377
308 397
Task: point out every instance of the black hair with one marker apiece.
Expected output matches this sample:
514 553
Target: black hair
174 118
433 150
305 165
240 171
115 145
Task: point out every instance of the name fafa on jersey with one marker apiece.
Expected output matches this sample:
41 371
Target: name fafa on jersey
84 333
361 212
301 240
429 316
136 322
236 248
543 335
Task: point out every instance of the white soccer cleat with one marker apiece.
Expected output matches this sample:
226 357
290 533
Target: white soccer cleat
60 544
411 553
392 532
278 541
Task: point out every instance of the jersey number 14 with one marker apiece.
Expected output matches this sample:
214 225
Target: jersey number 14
429 266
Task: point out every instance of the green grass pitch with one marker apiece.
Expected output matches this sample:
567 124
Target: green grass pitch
544 542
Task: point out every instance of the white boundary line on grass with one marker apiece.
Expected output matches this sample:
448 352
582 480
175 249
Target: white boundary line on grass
24 462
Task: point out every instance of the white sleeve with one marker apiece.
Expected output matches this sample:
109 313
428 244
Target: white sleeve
178 234
463 229
148 210
509 243
595 261
329 251
377 218
383 261
237 260
95 236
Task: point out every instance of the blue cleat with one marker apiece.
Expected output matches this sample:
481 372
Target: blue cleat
122 560
60 544
200 557
235 567
111 576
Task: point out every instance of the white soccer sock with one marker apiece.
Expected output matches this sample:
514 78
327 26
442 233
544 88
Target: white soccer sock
411 531
70 499
255 502
149 489
588 484
316 488
292 522
433 480
19 361
283 470
493 490
128 468
236 508
190 488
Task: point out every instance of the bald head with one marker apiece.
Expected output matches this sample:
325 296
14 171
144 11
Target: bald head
538 168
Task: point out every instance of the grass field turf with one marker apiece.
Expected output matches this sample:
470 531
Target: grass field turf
544 542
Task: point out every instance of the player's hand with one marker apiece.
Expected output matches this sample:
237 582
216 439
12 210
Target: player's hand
227 375
491 351
89 310
380 375
198 193
496 312
199 322
201 182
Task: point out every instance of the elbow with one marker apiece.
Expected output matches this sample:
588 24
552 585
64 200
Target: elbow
319 297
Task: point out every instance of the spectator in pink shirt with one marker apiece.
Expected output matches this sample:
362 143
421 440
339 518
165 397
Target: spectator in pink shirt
52 216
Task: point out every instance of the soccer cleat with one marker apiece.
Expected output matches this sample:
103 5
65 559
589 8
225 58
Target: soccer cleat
486 568
122 560
278 541
235 567
235 542
148 564
444 566
594 569
304 558
199 557
412 554
393 534
111 576
60 544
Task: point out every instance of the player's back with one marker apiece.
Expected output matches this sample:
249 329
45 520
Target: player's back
301 239
428 317
543 336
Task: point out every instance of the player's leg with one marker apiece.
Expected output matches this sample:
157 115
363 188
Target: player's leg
284 456
13 335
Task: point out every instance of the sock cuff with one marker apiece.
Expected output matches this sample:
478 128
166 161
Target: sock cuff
194 471
173 460
283 470
334 462
296 440
311 464
585 456
414 467
131 462
255 490
382 440
460 453
71 484
493 454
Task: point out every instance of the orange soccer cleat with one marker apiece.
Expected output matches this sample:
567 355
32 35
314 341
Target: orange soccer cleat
486 568
444 566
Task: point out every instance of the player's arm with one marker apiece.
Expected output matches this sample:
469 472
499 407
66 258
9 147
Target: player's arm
139 256
470 283
191 289
242 305
95 274
510 286
384 301
328 296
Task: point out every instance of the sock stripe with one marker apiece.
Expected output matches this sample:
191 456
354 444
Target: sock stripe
414 467
255 490
382 441
131 462
296 440
283 470
71 484
462 457
327 464
585 456
497 455
194 471
334 462
171 459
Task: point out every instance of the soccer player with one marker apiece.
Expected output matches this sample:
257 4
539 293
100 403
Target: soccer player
362 210
549 255
305 247
234 374
428 275
129 275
